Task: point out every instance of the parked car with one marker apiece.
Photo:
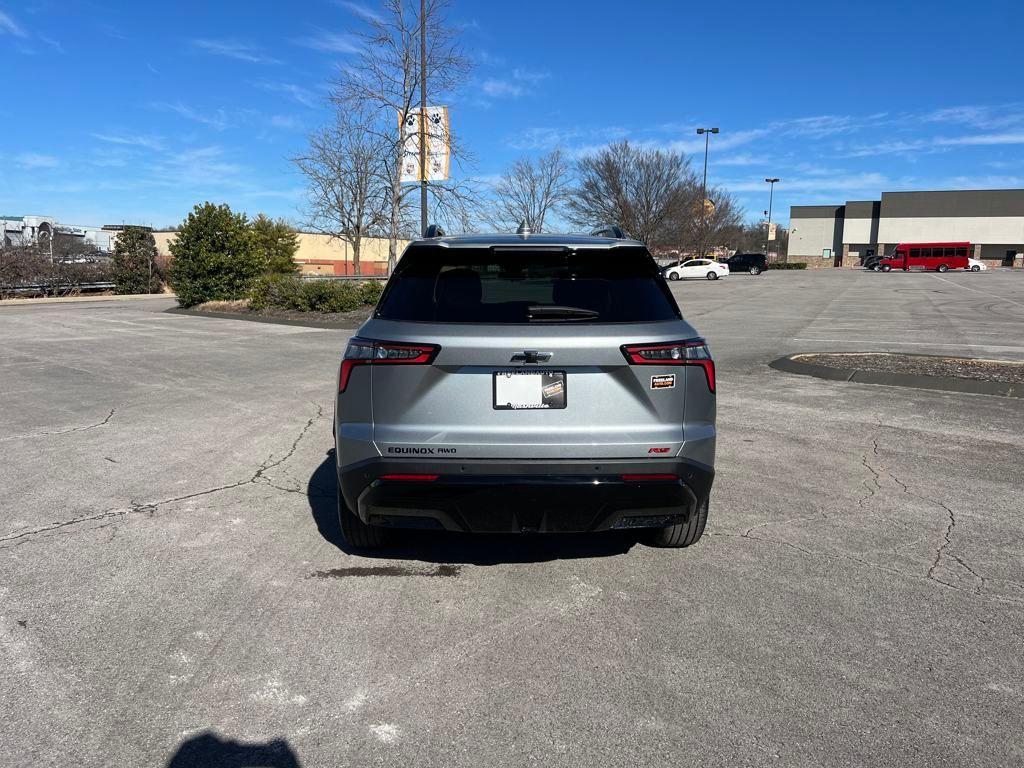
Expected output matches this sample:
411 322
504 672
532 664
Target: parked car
873 262
512 383
940 257
976 265
754 263
705 268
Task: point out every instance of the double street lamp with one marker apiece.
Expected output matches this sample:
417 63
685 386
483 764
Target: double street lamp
706 133
768 228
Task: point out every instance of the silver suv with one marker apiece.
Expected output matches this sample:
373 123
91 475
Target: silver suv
513 383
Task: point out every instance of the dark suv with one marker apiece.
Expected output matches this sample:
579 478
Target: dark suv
754 263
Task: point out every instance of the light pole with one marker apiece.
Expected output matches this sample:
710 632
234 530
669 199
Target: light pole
768 228
423 118
706 133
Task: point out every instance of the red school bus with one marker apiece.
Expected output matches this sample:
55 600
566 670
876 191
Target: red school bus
938 256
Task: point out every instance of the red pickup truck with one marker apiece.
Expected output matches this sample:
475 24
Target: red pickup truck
940 257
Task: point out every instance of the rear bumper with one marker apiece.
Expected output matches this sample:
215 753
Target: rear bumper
504 497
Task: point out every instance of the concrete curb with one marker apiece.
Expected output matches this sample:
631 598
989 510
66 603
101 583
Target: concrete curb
252 318
82 299
945 384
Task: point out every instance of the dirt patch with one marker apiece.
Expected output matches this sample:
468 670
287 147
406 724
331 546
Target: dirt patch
240 309
1005 371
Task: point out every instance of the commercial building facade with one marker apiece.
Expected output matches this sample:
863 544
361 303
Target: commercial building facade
34 230
992 220
320 254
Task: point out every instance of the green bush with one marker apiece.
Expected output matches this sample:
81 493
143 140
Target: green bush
216 256
787 265
292 292
135 262
276 290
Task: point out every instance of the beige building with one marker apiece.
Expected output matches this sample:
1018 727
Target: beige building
322 255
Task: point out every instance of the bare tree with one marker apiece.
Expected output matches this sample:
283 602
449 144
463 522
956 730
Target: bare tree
384 80
714 226
529 191
348 181
647 192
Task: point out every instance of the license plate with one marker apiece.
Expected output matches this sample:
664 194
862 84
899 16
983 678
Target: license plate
519 390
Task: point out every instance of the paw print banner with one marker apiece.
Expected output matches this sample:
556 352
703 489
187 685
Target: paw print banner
438 145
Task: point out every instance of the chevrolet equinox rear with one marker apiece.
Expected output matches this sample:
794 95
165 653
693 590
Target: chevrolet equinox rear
525 383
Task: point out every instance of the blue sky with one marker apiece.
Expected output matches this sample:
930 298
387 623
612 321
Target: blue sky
118 111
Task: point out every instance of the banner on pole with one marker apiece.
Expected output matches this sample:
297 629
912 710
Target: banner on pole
439 149
771 230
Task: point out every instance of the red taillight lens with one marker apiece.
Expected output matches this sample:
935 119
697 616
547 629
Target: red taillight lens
369 352
410 478
688 352
649 477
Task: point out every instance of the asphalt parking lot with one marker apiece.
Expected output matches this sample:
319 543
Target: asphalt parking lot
173 590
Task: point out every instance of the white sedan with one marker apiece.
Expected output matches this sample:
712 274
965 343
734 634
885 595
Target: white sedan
706 268
976 265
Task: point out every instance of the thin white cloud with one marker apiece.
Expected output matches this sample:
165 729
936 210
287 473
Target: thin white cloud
518 83
218 120
55 44
9 26
34 160
360 10
297 93
497 89
285 122
330 42
131 140
234 49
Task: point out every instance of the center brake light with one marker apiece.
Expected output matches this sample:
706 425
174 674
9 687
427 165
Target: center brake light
370 352
687 352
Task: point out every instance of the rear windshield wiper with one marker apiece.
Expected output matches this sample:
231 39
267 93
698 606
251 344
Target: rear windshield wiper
556 312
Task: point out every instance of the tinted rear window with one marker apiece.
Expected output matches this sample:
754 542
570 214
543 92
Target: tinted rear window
513 285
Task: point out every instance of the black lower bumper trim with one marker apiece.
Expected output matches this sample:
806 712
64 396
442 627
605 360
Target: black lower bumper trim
555 497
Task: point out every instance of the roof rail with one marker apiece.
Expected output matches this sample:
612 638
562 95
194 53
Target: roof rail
609 230
432 231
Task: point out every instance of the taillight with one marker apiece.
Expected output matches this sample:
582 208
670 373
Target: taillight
688 352
370 352
647 477
410 478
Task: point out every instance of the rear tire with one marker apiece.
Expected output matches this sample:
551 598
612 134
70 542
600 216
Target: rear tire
755 270
712 275
943 268
358 534
682 534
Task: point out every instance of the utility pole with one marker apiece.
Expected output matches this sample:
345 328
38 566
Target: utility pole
768 227
423 116
706 133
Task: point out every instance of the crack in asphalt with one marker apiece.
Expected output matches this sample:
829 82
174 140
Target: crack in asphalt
54 433
874 474
150 508
873 486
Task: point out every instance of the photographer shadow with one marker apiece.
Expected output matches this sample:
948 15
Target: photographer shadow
208 750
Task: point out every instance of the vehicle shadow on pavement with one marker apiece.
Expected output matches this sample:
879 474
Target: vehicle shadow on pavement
444 547
208 750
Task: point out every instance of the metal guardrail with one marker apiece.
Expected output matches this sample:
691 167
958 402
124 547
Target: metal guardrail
328 278
52 288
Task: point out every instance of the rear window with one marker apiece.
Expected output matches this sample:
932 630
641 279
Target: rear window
525 285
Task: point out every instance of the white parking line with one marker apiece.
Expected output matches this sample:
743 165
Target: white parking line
983 293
